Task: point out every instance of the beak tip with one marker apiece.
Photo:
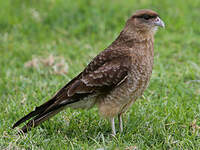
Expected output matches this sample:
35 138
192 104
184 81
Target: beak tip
162 24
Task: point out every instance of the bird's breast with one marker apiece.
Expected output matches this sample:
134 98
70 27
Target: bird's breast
121 98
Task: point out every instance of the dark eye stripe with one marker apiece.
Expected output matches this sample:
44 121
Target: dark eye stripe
145 16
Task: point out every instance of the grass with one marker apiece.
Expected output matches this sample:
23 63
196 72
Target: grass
167 116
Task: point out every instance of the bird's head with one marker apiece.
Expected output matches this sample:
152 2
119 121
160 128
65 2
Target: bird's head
144 21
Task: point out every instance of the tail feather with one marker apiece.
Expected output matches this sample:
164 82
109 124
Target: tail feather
46 105
42 113
39 119
48 109
46 114
37 111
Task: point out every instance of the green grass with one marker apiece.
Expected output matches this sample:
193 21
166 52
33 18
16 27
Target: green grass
164 118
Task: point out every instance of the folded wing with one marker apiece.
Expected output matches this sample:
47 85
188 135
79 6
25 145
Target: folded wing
103 74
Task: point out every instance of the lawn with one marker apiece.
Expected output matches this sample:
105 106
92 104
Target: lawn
44 44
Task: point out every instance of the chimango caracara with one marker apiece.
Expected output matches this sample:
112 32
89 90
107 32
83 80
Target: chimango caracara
113 80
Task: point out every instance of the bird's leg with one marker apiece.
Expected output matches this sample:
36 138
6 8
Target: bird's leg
112 121
120 122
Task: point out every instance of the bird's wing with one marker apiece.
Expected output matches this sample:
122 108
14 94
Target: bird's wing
102 74
105 72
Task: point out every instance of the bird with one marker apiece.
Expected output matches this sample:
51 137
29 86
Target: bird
113 80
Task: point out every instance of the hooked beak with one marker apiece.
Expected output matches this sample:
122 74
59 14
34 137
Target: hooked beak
159 22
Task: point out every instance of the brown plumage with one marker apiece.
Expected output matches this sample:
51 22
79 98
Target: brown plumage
113 80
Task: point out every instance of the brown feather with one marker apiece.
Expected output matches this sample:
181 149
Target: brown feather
113 80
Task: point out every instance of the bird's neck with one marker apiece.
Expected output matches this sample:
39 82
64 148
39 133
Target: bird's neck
133 38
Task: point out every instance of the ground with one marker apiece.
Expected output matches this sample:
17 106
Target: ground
37 38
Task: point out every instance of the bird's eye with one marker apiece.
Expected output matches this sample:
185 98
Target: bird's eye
146 17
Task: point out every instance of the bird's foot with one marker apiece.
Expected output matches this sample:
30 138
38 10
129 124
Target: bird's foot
120 123
113 126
